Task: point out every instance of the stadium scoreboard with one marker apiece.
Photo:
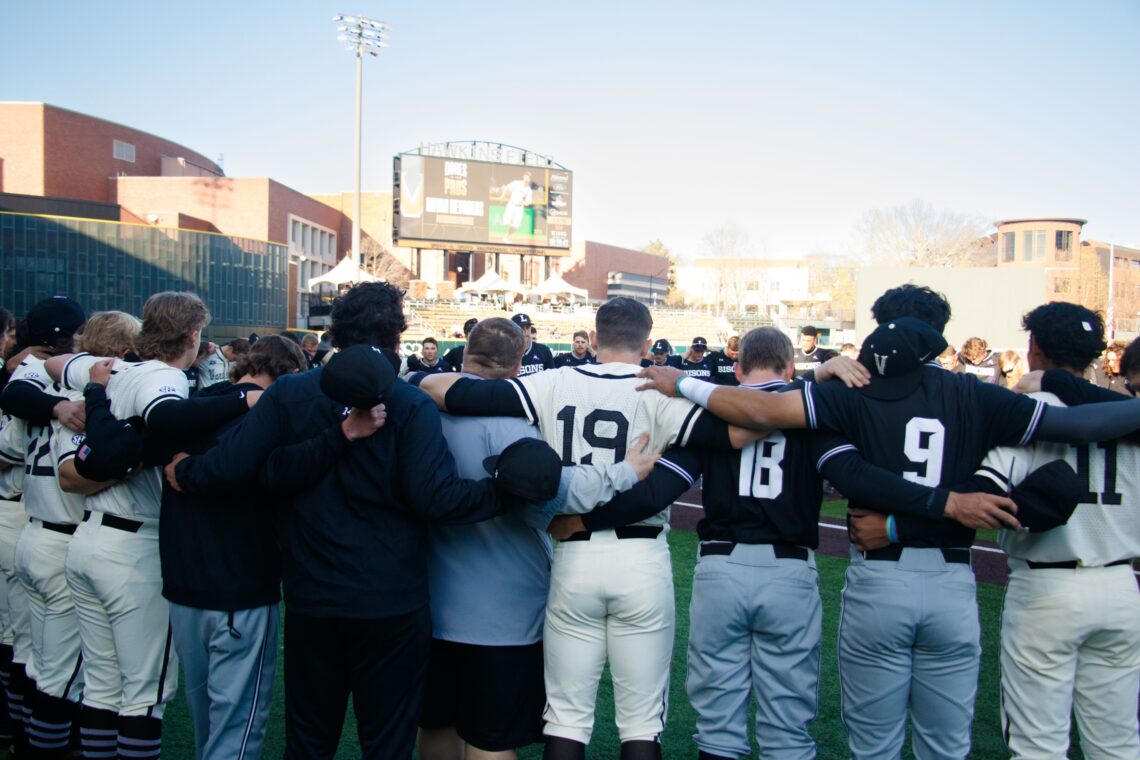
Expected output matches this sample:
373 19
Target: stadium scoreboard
459 203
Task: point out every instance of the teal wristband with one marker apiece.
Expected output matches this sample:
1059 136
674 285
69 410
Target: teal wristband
677 387
892 530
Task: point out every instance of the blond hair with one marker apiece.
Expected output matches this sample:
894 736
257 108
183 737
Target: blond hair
109 333
168 319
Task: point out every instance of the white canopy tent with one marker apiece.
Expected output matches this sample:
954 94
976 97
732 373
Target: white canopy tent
346 272
556 286
490 282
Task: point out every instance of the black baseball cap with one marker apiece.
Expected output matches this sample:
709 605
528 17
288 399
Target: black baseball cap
53 318
1046 498
528 469
358 376
700 343
469 325
522 320
661 346
894 353
115 453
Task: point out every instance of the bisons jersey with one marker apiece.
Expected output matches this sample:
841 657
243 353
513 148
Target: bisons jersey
134 390
45 446
592 414
1105 527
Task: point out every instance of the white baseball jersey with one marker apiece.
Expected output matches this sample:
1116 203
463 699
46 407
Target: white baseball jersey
134 390
521 193
45 446
213 369
13 437
1105 527
593 413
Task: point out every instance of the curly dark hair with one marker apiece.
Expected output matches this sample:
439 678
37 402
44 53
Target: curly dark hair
1068 334
371 313
912 300
273 355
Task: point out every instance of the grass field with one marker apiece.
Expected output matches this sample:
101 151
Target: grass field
828 730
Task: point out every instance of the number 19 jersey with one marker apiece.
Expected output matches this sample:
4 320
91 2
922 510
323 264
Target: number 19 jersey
593 413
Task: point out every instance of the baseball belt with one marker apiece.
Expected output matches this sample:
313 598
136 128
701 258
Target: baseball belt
626 531
782 551
893 553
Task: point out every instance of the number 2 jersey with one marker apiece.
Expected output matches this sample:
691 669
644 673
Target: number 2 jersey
936 436
135 389
1105 527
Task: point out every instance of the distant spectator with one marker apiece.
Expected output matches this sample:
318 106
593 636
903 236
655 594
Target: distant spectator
428 360
579 355
1011 366
724 362
309 345
659 353
695 362
1106 373
215 367
850 350
454 357
979 361
949 360
536 357
810 355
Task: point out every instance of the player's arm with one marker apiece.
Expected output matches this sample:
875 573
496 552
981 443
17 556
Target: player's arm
1075 391
177 418
238 456
738 406
300 466
71 481
1017 420
674 474
473 397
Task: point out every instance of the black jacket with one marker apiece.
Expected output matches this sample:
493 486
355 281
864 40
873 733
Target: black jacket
352 518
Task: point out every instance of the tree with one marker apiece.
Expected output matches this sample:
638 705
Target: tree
921 236
835 275
382 263
658 248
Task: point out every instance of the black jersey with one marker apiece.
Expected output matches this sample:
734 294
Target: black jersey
770 491
723 368
416 364
702 370
937 435
536 359
810 362
454 357
568 359
986 370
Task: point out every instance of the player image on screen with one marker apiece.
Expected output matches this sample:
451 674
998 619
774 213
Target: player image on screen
518 194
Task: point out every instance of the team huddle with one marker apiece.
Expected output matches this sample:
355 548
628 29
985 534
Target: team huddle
406 513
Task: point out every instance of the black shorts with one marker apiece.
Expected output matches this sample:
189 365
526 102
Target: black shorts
494 696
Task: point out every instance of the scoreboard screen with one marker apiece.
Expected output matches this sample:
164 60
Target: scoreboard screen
453 202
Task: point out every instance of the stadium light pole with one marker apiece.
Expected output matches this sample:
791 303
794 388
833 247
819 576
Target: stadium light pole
363 35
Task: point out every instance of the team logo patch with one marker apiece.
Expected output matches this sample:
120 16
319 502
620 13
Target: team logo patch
168 389
78 438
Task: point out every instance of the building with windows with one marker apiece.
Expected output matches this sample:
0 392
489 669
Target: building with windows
68 168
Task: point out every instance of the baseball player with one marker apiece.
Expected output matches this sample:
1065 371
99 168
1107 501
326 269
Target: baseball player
536 357
454 355
724 362
659 353
696 362
1070 633
112 566
15 638
755 611
809 355
897 650
519 194
611 594
579 355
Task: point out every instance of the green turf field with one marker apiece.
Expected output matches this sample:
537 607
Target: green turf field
178 741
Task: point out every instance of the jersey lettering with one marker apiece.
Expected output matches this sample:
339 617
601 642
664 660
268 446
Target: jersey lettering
761 471
1109 495
925 441
601 429
38 462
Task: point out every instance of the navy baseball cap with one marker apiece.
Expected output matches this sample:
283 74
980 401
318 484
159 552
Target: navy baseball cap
528 469
522 320
700 343
53 318
1046 498
894 353
661 347
469 325
358 376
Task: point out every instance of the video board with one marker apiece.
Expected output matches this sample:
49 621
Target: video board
452 203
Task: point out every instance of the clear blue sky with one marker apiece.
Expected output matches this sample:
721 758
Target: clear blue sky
788 119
